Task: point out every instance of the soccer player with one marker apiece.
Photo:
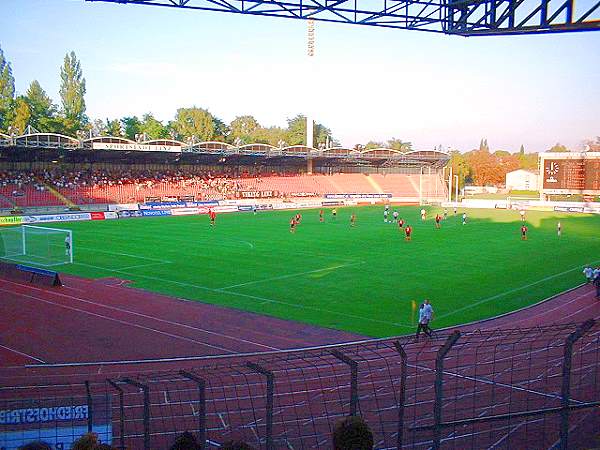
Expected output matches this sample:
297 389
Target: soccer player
423 214
213 217
254 209
559 229
401 223
67 245
523 232
333 213
395 216
464 218
386 212
455 210
353 220
408 232
438 218
293 225
298 218
522 212
445 213
321 216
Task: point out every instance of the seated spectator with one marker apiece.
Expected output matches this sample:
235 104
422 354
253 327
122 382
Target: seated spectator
88 441
37 445
352 433
236 445
186 441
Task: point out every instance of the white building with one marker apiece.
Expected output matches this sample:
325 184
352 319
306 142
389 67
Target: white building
522 180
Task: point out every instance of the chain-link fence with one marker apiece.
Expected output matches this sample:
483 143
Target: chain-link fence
535 388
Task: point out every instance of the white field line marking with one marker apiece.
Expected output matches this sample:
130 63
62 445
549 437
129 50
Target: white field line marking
121 254
291 275
22 354
255 297
494 297
130 267
120 321
145 316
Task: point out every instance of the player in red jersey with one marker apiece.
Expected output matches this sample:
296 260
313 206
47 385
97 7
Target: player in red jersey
298 218
524 233
408 232
438 218
353 220
293 225
401 222
213 217
321 212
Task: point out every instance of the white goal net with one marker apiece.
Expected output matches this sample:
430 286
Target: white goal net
42 246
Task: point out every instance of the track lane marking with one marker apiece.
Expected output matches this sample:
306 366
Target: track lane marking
22 354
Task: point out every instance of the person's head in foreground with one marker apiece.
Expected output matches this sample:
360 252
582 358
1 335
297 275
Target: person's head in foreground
37 445
236 445
352 433
185 441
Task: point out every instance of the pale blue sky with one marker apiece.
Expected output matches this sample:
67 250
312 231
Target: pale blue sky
368 83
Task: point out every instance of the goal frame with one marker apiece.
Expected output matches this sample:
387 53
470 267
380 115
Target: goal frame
24 228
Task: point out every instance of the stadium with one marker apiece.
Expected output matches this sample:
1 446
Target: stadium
248 295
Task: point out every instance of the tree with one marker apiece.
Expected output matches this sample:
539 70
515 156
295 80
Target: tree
296 132
132 125
558 147
153 128
72 92
193 122
243 128
373 144
7 92
43 111
460 167
22 115
272 136
483 145
113 128
399 144
221 130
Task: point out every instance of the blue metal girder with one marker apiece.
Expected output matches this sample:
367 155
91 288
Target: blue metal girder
458 17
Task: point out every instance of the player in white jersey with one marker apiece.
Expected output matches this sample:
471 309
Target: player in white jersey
423 214
395 216
67 246
385 215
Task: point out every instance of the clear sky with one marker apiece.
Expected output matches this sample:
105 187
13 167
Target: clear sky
367 83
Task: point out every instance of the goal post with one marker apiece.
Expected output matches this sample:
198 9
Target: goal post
37 245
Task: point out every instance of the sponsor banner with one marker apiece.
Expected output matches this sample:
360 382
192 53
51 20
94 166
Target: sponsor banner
572 209
59 424
136 147
11 220
223 209
184 211
245 208
209 203
57 218
97 215
163 205
592 209
110 215
304 194
124 214
361 196
155 212
124 207
257 194
332 203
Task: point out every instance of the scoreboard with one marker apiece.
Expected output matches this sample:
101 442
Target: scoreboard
570 173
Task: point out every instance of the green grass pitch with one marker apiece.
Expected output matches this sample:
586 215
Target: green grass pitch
362 279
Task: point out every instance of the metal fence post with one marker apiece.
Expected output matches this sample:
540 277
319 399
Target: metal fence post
146 390
439 390
353 379
90 407
566 379
201 405
270 394
402 394
121 412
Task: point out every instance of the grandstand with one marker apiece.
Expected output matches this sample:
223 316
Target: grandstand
45 169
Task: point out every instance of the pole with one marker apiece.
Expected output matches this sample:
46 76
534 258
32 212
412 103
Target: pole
450 185
421 187
456 188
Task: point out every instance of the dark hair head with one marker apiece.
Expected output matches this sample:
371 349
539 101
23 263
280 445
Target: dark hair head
185 441
352 433
37 445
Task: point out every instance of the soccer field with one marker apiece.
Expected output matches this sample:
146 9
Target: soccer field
363 279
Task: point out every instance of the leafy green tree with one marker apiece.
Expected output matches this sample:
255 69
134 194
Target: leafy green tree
296 132
7 92
153 128
558 147
72 93
399 144
113 128
244 128
221 130
193 122
43 111
272 136
373 144
22 114
132 126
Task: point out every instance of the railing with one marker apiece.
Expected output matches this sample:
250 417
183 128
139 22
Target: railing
523 388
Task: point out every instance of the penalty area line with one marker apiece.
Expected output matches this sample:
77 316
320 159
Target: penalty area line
22 354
